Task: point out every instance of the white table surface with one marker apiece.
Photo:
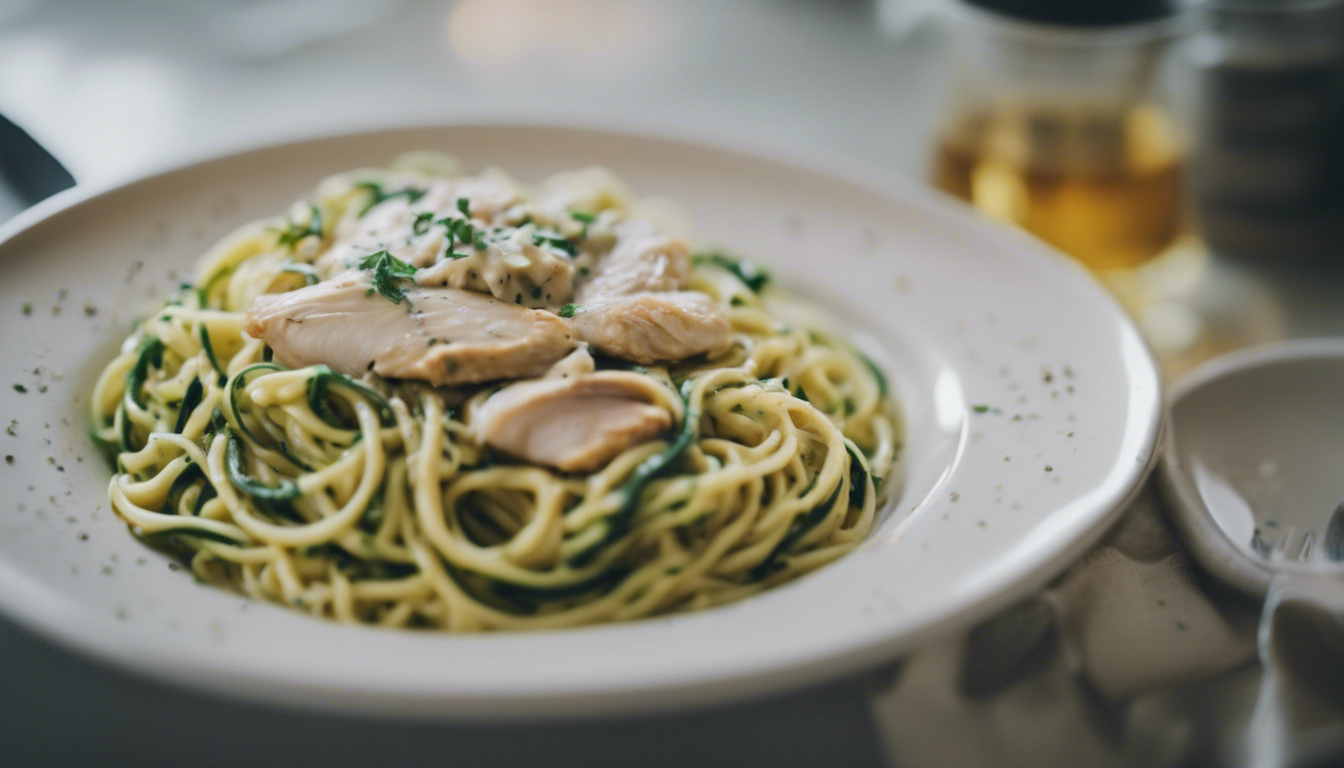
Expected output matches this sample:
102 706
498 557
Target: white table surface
116 89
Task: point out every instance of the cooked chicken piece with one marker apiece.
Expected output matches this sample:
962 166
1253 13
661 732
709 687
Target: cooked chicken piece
391 224
575 423
385 227
641 260
514 269
576 363
510 264
444 336
648 327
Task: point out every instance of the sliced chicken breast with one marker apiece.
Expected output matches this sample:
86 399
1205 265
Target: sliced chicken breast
391 224
641 260
576 423
648 327
444 336
513 269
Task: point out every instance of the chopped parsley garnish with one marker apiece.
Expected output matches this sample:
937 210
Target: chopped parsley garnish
555 241
422 222
464 205
294 233
753 276
388 272
378 194
295 268
569 310
458 230
586 218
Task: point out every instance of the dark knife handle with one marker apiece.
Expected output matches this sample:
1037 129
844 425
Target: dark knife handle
27 168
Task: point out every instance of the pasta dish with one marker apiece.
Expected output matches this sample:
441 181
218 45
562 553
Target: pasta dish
422 398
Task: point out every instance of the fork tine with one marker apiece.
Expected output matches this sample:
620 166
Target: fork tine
1281 546
1304 550
1334 535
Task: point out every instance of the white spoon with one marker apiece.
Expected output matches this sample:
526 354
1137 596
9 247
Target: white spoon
1253 468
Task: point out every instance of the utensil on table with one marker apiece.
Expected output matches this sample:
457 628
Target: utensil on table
1254 469
27 167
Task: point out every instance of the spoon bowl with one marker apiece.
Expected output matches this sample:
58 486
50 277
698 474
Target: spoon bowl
1254 463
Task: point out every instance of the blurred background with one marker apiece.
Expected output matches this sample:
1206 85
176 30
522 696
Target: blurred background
1140 136
1188 153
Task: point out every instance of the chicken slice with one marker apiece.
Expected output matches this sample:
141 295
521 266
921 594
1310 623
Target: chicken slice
513 269
445 336
577 363
648 327
641 260
575 423
391 224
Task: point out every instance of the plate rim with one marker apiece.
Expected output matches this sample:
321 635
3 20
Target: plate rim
665 695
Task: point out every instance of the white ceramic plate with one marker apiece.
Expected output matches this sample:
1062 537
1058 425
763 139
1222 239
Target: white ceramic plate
1032 412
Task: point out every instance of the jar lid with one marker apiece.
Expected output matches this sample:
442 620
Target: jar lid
1080 13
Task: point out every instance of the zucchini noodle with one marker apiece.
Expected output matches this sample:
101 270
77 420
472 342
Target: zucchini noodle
368 500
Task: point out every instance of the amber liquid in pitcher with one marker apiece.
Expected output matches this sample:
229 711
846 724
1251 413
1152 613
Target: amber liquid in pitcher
1105 188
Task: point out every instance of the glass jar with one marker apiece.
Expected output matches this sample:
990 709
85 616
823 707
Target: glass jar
1069 132
1268 176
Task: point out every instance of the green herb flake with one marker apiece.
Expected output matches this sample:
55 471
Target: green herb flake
294 233
26 308
586 219
754 277
388 272
464 205
377 194
22 390
569 310
555 241
422 222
